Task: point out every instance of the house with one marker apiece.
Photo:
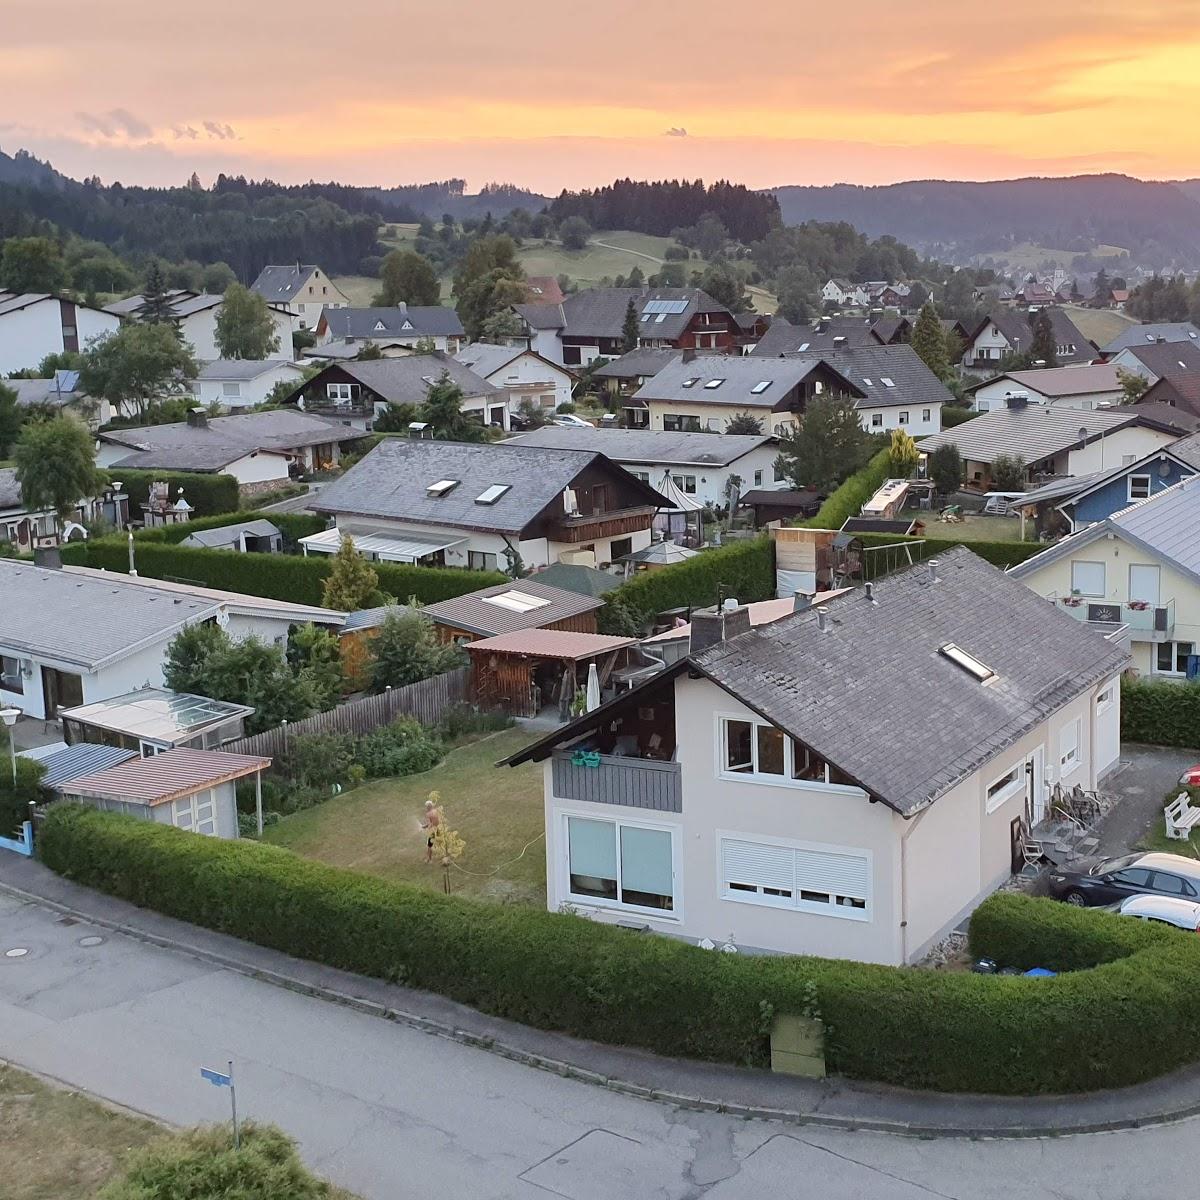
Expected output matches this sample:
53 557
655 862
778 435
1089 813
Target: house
190 789
233 383
245 537
509 607
1008 332
1064 387
359 392
1140 567
153 719
303 287
521 374
466 504
1181 391
622 376
1153 333
849 781
405 325
1051 441
770 505
831 333
259 449
892 386
591 324
1034 293
1158 360
62 393
196 316
845 294
35 324
699 464
22 528
752 327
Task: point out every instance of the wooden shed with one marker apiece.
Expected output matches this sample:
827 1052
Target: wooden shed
511 607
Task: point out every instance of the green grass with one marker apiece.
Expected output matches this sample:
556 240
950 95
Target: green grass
974 527
1028 256
496 810
59 1145
1156 838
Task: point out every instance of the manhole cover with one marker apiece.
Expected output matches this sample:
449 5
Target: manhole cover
91 940
16 952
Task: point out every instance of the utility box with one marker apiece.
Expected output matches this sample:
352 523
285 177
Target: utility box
798 1047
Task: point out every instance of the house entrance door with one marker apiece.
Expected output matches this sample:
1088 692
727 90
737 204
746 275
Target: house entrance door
60 690
1035 795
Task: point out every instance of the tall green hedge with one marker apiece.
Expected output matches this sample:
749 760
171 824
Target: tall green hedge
281 576
999 554
848 499
207 494
294 526
1160 712
1133 1017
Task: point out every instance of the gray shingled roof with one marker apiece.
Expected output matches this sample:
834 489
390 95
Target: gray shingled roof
1017 327
407 379
282 283
586 581
600 312
477 612
84 620
868 366
227 369
229 535
784 338
62 389
392 482
483 358
1167 359
641 363
414 320
648 446
739 375
1061 381
872 694
1144 335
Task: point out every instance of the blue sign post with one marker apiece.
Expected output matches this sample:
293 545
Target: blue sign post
225 1079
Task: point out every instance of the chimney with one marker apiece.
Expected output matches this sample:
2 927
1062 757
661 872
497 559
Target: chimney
689 355
197 418
932 565
869 588
822 325
1162 341
803 601
403 307
822 612
710 626
48 557
839 342
1017 400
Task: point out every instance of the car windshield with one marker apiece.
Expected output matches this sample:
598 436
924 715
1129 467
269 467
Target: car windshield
1114 864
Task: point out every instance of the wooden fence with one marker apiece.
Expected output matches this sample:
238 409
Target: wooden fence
427 701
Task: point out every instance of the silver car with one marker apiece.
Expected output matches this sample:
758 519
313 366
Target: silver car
1167 910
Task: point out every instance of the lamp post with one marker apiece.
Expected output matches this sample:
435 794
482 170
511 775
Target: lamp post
9 717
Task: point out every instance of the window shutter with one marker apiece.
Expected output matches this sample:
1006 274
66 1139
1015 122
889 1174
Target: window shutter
757 865
834 874
593 848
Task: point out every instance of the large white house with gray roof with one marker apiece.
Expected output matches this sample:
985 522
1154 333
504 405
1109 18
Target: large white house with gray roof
303 287
403 325
848 781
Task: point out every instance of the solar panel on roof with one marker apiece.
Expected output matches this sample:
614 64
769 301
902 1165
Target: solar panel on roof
665 307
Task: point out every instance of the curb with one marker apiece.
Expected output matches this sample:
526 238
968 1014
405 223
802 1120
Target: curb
610 1083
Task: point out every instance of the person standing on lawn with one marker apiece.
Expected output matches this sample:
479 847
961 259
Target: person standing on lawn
433 818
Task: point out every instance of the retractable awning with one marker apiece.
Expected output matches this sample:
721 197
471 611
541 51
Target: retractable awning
389 547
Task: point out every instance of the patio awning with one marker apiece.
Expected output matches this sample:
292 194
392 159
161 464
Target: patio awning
680 500
390 547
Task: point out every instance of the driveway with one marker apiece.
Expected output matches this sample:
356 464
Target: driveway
1145 776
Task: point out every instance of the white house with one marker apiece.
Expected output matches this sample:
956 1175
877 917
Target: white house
196 317
34 324
403 325
849 781
845 294
482 505
700 464
234 383
523 375
1010 332
1084 387
1158 360
304 288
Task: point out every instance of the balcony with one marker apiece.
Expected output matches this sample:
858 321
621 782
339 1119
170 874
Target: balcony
616 522
1146 622
610 779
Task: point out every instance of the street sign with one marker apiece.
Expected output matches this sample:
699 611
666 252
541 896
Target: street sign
225 1079
216 1078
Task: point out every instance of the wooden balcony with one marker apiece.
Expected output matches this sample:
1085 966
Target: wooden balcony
632 782
614 523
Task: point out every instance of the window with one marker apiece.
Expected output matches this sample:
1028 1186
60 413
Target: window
518 602
619 547
10 674
866 381
479 560
760 387
644 476
196 813
341 391
1104 701
1004 788
492 494
1068 748
442 487
685 483
625 865
1139 487
1131 877
877 420
678 423
759 749
1143 583
231 389
1087 578
758 478
904 418
925 414
806 878
713 383
1171 658
689 383
1172 885
887 383
968 662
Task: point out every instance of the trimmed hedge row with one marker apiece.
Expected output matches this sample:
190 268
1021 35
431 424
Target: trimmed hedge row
999 554
292 525
207 494
281 576
1133 1017
847 499
1160 712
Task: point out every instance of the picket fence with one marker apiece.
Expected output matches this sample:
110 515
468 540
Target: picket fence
426 700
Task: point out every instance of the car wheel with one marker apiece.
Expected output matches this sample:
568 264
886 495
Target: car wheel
1076 898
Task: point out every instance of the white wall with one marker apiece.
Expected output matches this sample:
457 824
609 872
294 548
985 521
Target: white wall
989 347
711 481
260 467
518 377
991 396
28 334
249 392
200 331
1122 446
885 419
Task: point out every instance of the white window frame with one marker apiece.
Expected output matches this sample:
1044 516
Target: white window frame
1076 590
1070 757
674 914
1008 785
877 420
1141 475
190 806
1173 673
685 483
1106 698
793 903
784 780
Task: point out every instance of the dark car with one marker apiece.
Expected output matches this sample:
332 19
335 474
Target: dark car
1108 881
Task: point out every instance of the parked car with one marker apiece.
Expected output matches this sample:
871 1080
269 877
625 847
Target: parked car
571 421
1108 881
1167 910
1191 777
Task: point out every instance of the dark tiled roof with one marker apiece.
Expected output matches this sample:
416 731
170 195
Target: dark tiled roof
649 446
600 312
783 338
425 320
873 695
641 363
739 376
585 581
1180 391
1018 330
478 612
1145 335
912 382
407 379
282 283
1167 360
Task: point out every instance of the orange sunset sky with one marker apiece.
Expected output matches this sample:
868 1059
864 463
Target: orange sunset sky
552 95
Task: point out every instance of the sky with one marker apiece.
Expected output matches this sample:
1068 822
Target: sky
553 95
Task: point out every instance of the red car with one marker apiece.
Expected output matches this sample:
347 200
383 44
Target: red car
1191 777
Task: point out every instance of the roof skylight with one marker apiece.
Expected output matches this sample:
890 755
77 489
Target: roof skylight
714 383
760 387
492 494
968 662
695 379
519 602
443 487
886 381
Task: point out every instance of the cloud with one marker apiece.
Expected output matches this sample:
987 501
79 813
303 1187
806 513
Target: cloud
676 131
180 132
220 132
116 122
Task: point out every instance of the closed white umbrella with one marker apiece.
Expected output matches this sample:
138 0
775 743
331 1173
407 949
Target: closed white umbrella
593 688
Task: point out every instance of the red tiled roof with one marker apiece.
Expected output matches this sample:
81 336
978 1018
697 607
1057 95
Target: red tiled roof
551 643
163 777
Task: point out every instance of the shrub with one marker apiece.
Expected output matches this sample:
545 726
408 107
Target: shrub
1134 1016
848 498
207 494
953 414
293 526
14 803
460 720
1160 712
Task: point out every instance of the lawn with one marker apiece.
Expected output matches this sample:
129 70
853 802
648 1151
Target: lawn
974 527
496 810
59 1145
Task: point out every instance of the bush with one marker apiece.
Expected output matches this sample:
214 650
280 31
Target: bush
461 720
848 498
207 494
1160 712
284 577
14 804
293 526
953 414
1133 1017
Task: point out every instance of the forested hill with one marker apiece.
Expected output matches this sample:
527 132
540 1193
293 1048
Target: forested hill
1158 223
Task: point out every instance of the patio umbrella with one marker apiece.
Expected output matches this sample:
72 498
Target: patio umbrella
593 687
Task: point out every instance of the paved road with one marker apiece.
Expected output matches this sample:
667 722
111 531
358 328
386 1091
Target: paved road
393 1113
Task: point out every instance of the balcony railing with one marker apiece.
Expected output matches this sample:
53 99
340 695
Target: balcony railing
609 779
1146 622
617 522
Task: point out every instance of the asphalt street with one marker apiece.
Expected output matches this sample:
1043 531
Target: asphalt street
392 1113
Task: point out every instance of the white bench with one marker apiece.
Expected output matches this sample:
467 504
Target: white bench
1181 817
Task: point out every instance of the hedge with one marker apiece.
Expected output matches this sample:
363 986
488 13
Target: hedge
1133 1017
1160 712
999 554
293 526
280 576
847 499
207 494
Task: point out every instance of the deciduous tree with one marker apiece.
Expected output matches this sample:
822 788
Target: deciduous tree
442 411
407 277
56 465
574 233
746 423
352 583
32 264
245 328
406 650
828 445
12 416
946 469
136 365
903 455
